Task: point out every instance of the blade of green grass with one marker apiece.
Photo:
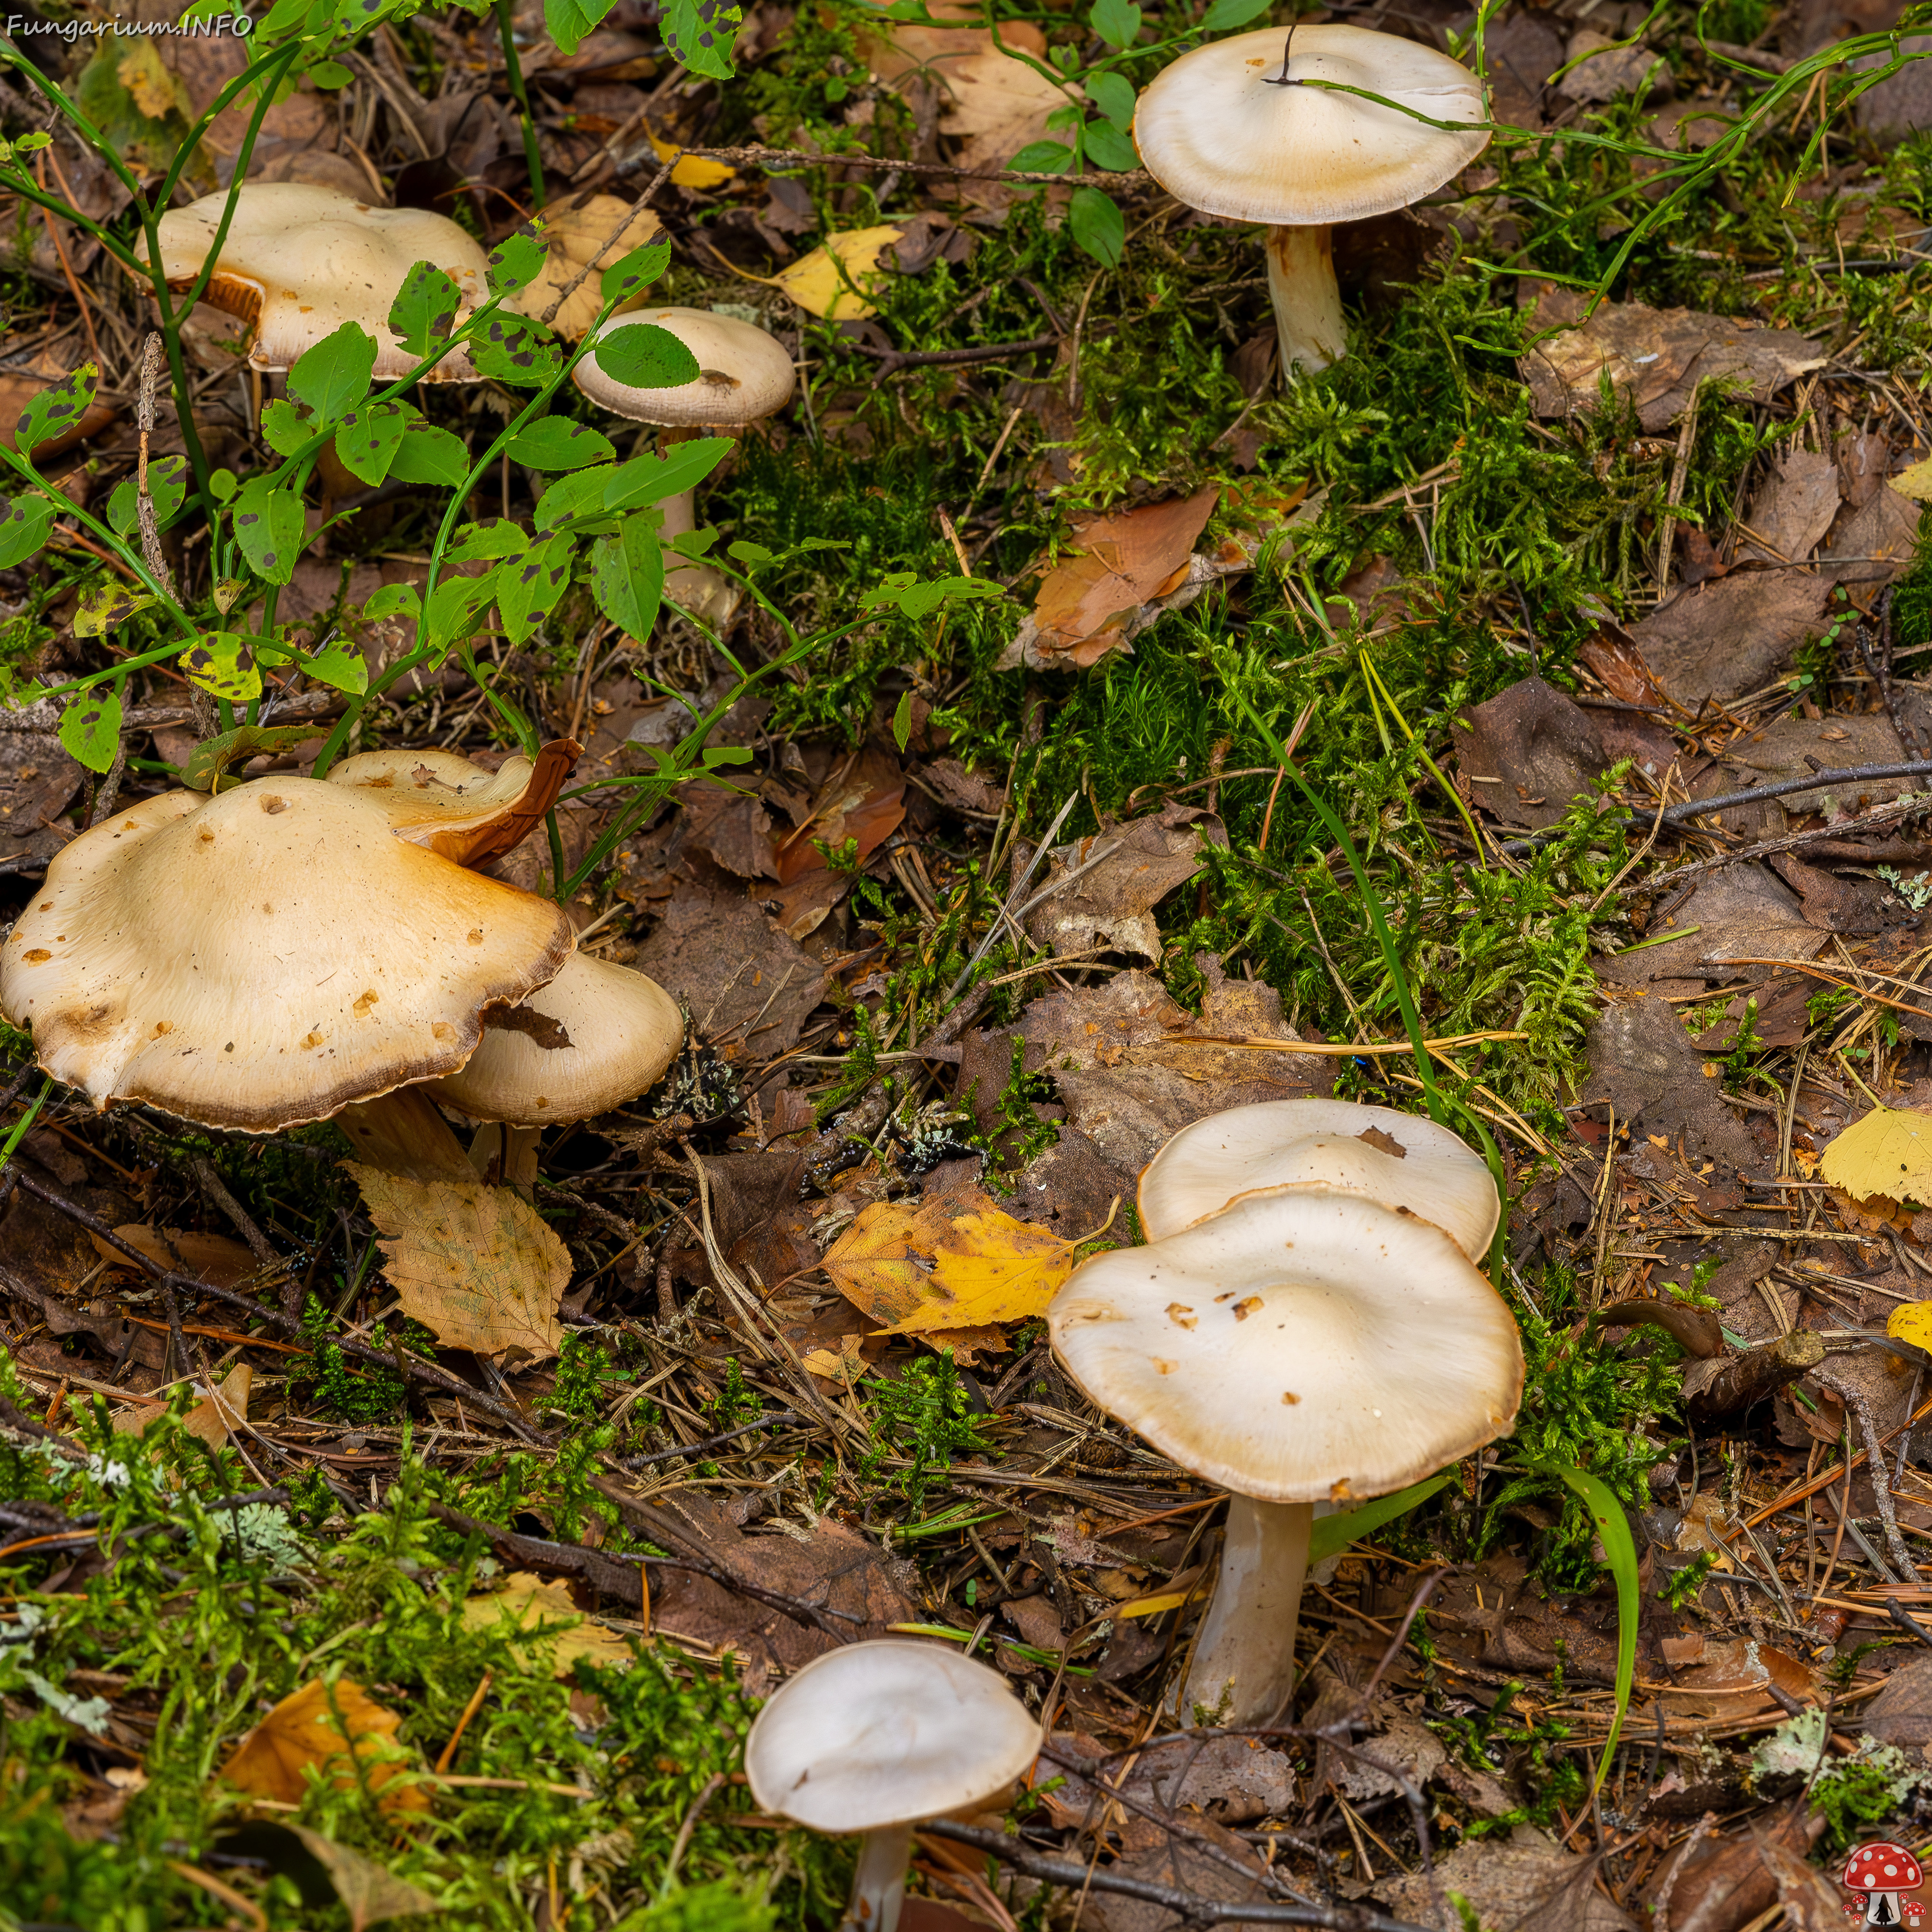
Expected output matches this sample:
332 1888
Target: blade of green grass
1333 1534
1620 1552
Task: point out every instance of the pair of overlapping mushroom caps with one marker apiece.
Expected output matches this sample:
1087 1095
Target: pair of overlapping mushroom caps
1305 1325
296 949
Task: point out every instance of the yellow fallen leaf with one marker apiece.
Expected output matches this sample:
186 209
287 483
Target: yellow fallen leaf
337 1729
476 1265
154 90
694 171
1916 482
547 1629
833 280
575 229
1889 1152
880 1263
988 1267
1911 1321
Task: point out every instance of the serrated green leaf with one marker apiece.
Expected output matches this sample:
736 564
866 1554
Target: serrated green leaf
24 524
572 498
903 592
641 356
428 454
500 537
515 262
637 271
556 443
334 375
660 473
339 666
454 605
368 439
56 410
395 600
90 728
627 573
424 313
101 609
1095 221
223 666
513 348
570 20
529 589
284 428
269 525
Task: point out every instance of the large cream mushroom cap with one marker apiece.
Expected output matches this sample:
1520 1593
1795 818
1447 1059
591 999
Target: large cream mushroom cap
1214 133
299 261
597 1036
884 1732
743 374
265 957
461 811
1297 1347
1402 1160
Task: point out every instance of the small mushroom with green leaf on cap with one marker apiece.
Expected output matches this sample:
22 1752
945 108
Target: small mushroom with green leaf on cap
743 376
875 1738
1299 1346
1402 1160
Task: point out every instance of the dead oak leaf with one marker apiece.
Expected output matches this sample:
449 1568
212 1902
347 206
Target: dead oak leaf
336 1730
474 1264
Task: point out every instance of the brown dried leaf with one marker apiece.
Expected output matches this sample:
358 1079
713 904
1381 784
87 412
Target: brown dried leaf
1793 508
369 1892
210 1258
1720 640
476 1265
338 1730
1111 904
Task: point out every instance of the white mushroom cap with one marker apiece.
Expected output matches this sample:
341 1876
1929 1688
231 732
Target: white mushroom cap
461 811
1297 1347
619 1030
888 1732
1215 135
262 958
299 261
1402 1160
743 373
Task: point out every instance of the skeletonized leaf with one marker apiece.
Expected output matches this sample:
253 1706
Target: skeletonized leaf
339 1730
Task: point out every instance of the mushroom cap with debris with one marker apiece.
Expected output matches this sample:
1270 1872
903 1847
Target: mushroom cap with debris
743 374
1299 1346
299 261
460 810
888 1732
1219 132
264 958
597 1036
1402 1160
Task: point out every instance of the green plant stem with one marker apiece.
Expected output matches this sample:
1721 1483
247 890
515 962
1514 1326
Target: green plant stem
532 153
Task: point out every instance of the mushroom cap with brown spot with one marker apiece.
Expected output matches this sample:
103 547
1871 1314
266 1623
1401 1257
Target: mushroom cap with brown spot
888 1732
264 958
1402 1160
1297 1347
299 261
597 1036
1215 132
742 373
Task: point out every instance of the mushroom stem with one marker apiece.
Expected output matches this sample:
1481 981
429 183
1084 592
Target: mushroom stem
1243 1667
1308 324
878 1886
707 594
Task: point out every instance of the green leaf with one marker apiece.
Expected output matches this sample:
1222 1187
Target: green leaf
222 484
1333 1534
330 75
515 262
24 525
454 607
636 271
213 756
1116 22
530 588
627 574
428 454
106 605
166 484
902 720
1113 94
334 375
904 592
572 498
90 728
1106 147
368 439
337 666
1226 13
424 312
55 411
395 600
500 537
514 349
1095 221
1613 1531
651 477
284 428
750 555
269 525
699 34
223 666
570 20
556 443
641 356
1041 157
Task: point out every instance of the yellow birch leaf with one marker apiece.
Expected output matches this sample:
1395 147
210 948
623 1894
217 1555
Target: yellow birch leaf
1889 1152
823 282
1916 482
545 1628
1911 1321
693 171
877 1264
988 1267
338 1730
476 1265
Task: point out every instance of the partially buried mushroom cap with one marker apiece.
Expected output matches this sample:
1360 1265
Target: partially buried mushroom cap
299 261
1402 1160
597 1036
1297 1347
886 1732
1218 131
264 958
743 374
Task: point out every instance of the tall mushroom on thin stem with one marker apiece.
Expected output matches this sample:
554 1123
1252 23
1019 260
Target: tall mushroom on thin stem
874 1738
1235 129
743 375
1298 1346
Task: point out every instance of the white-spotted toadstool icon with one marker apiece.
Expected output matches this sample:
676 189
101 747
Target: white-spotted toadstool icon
1877 1876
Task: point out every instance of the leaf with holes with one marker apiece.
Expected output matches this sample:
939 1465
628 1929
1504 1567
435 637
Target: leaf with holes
334 375
284 428
338 666
102 608
367 439
90 728
556 443
56 410
269 525
335 1730
627 574
530 587
223 666
424 313
454 607
498 537
700 35
24 524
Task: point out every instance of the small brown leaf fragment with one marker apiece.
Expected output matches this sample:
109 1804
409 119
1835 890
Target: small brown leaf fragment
1383 1143
338 1729
1181 1315
1245 1307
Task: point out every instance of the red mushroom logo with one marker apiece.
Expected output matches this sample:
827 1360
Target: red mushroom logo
1875 1876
